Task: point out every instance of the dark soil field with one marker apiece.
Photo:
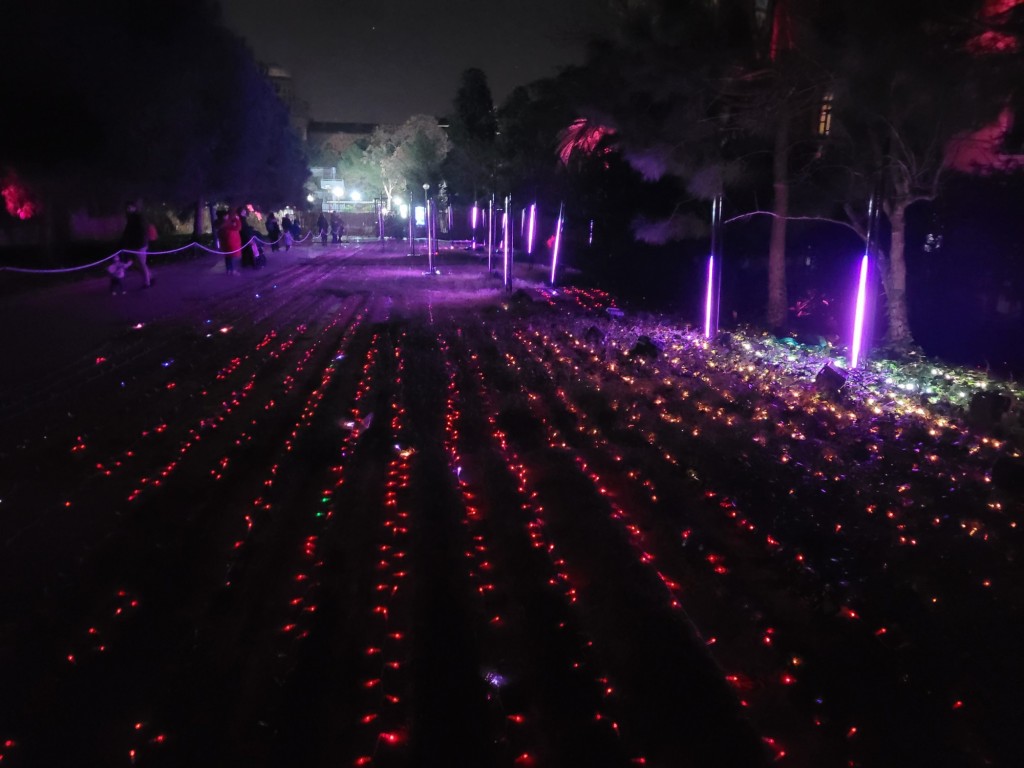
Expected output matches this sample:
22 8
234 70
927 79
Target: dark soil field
339 513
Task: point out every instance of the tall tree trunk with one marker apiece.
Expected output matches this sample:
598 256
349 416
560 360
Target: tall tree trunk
56 234
894 281
197 222
778 304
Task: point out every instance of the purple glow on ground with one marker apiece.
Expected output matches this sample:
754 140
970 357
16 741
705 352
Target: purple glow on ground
708 299
858 319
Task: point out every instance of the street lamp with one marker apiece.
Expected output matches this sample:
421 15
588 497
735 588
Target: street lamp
558 243
427 220
713 290
412 230
490 234
533 222
507 242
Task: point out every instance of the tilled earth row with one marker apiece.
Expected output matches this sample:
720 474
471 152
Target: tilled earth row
362 524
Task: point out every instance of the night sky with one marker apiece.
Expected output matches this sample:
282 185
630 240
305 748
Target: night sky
385 61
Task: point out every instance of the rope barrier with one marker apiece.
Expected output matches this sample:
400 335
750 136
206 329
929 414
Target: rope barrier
254 238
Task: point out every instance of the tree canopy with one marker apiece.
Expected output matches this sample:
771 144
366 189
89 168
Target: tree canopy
116 100
409 155
471 164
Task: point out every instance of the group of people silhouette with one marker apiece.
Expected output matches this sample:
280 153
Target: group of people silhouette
234 236
240 243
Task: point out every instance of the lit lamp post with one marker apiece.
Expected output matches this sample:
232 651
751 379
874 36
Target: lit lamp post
378 203
507 244
529 231
713 294
558 243
490 234
412 228
474 216
426 221
858 346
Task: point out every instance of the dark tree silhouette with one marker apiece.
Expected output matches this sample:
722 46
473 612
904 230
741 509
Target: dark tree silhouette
900 100
117 100
472 162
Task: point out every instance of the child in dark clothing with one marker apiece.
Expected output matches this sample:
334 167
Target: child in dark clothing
117 271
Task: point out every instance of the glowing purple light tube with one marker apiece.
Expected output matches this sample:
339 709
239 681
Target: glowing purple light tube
533 221
558 243
708 301
858 318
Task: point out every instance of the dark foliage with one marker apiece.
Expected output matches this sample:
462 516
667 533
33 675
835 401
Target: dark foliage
470 166
117 99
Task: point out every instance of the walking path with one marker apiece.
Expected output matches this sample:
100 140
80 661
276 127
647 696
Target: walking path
55 320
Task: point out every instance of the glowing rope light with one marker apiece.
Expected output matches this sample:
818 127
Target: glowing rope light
858 320
709 299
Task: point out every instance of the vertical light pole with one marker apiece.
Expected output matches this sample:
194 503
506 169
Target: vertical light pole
426 220
380 219
412 227
473 218
490 235
530 229
507 245
713 296
558 243
860 311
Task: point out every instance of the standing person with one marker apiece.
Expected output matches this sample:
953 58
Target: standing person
273 232
321 226
217 223
117 270
135 238
247 235
229 235
286 225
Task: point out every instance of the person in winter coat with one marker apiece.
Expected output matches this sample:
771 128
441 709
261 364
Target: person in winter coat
117 270
230 238
289 235
321 228
273 232
337 228
135 238
250 243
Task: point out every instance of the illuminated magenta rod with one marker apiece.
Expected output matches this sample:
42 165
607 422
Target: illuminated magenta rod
558 243
474 215
709 299
858 318
530 230
504 242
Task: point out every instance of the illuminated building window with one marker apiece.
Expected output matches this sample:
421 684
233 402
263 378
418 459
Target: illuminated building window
825 115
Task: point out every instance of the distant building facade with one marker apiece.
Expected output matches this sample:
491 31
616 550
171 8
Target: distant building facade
284 87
